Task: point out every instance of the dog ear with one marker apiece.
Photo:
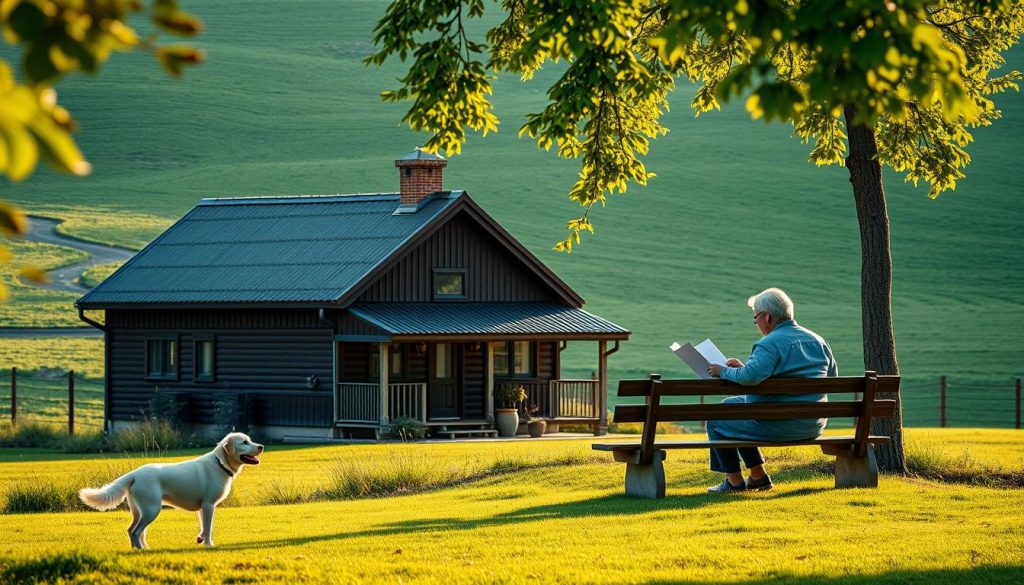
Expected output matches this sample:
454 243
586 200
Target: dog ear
229 445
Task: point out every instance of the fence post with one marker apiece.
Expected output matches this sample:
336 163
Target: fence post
942 401
1017 410
71 402
14 397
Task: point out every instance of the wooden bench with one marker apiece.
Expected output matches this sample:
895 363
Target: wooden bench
855 456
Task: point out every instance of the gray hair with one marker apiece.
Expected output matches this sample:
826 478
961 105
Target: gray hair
773 301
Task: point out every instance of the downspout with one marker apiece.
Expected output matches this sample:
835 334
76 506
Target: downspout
322 318
106 366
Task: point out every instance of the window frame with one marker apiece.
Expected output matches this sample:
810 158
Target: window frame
196 342
510 371
165 374
438 296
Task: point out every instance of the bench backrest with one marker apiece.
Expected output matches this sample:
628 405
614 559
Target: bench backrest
654 388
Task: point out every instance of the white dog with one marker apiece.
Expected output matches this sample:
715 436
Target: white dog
197 485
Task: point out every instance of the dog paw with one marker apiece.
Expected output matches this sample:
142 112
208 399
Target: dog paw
199 539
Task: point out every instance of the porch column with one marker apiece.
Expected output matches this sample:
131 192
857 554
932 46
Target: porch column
602 389
489 382
384 383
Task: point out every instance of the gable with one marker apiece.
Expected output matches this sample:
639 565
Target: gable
492 272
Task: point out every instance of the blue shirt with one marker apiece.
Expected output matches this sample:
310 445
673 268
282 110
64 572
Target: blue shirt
792 351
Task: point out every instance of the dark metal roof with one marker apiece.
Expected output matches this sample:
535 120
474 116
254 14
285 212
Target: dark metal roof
267 250
484 318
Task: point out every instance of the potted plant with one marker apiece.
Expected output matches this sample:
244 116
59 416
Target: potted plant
506 415
536 424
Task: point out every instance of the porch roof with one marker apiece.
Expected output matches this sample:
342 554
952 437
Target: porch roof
493 320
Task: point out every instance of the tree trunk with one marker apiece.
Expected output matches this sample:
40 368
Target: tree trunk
875 281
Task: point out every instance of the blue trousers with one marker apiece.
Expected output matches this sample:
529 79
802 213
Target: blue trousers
728 460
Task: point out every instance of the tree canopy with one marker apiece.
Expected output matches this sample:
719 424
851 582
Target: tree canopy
56 38
920 74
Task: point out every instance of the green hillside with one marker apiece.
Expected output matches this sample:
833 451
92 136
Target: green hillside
285 106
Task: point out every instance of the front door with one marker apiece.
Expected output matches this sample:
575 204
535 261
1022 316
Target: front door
443 385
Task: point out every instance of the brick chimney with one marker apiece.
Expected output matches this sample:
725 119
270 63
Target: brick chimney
419 176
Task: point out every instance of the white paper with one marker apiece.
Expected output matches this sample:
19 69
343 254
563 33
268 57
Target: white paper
699 357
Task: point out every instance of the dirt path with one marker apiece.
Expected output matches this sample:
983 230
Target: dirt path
64 279
45 230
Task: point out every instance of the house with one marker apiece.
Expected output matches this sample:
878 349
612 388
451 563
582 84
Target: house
330 316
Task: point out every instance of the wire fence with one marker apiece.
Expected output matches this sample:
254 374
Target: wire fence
51 396
54 396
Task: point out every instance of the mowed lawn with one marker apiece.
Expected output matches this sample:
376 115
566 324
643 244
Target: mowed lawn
565 522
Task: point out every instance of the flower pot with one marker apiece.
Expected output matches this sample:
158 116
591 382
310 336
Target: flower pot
537 428
507 421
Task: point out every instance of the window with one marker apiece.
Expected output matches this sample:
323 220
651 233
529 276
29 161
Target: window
513 359
443 361
449 284
204 359
162 359
396 360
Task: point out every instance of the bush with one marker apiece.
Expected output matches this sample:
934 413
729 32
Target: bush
226 415
29 498
27 435
149 436
166 408
406 429
88 442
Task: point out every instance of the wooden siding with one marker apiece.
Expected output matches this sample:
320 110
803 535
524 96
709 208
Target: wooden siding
215 319
546 351
492 273
349 324
270 365
473 382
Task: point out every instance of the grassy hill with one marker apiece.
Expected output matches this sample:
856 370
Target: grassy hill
285 106
527 512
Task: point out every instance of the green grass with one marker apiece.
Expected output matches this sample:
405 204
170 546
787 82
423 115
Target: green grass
97 274
31 306
285 106
562 522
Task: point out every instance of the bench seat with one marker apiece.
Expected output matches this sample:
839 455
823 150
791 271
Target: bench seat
855 458
827 440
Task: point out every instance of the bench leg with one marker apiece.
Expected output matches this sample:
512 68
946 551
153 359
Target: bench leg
859 472
647 481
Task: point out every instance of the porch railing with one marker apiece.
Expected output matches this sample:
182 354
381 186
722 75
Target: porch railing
409 400
574 399
360 402
559 398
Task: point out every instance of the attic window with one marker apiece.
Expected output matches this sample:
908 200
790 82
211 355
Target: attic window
449 283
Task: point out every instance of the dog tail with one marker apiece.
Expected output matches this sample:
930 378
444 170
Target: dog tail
109 496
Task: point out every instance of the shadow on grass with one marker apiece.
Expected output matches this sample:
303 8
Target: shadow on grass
987 575
608 506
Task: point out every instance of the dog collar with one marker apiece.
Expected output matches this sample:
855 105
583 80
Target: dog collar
224 467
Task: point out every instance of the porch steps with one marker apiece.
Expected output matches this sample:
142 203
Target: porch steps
453 433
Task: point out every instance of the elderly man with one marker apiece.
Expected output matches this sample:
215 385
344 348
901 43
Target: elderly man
786 350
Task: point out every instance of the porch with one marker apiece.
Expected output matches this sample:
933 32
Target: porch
439 364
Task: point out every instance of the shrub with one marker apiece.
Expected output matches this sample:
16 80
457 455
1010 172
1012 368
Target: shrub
87 442
27 435
507 395
166 408
149 436
406 429
226 415
34 497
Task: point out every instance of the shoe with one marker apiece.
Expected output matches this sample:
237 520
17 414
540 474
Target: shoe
727 488
759 485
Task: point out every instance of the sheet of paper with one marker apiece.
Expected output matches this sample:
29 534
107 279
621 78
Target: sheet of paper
711 353
692 358
699 357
